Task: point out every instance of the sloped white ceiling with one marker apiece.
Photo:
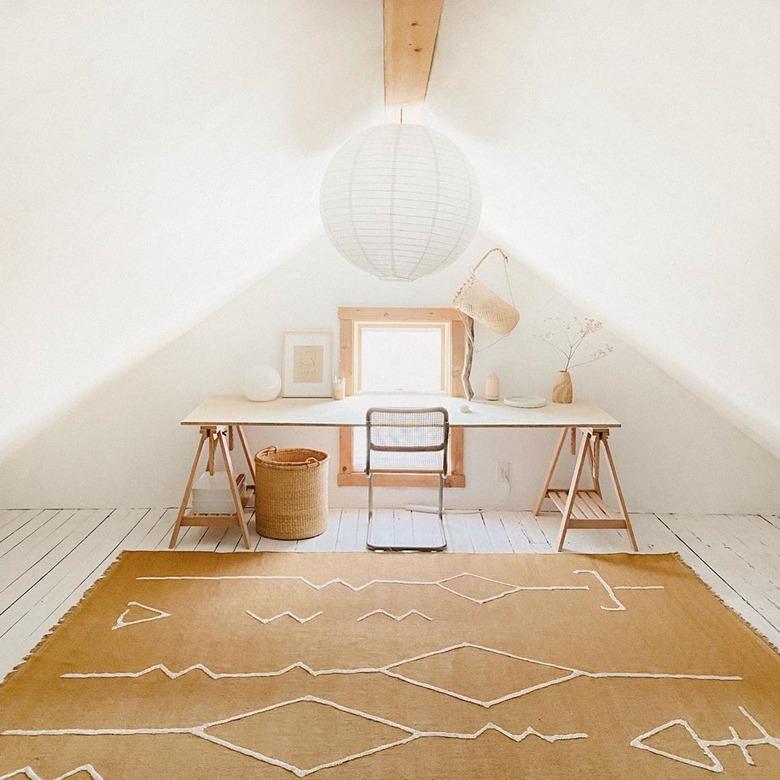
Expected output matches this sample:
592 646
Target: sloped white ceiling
156 157
630 153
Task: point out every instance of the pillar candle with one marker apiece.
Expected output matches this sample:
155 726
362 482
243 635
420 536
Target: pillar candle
491 387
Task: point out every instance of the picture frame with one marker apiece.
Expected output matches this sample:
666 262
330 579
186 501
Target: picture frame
308 364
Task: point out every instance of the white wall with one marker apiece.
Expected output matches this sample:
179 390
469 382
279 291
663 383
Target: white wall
631 151
122 445
160 157
157 158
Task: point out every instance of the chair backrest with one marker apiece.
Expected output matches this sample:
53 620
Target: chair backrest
405 432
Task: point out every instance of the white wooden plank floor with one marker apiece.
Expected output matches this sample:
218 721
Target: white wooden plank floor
49 557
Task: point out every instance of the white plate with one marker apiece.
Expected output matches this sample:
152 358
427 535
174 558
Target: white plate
525 401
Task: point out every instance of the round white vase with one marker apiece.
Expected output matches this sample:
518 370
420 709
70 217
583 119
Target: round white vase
262 383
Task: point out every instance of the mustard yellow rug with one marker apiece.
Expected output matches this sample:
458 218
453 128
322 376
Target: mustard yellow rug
273 665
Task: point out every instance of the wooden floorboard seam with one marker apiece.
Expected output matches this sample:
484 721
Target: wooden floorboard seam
716 573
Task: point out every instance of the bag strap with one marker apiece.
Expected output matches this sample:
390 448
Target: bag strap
485 256
505 258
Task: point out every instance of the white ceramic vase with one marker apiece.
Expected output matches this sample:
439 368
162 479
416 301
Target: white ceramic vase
262 383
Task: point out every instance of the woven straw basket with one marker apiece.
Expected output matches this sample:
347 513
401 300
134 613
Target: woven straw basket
291 493
478 301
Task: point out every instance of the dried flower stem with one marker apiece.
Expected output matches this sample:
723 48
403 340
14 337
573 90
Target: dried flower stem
574 340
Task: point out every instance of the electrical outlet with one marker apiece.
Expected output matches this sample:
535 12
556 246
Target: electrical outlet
502 471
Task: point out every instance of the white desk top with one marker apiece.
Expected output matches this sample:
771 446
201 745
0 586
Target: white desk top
325 412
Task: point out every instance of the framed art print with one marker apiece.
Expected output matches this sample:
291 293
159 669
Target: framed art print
308 357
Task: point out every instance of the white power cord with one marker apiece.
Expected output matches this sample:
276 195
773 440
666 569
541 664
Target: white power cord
434 510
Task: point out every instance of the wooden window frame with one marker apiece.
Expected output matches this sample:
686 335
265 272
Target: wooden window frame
349 317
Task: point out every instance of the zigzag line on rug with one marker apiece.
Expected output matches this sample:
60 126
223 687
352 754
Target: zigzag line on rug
283 614
31 774
200 731
397 618
571 673
442 583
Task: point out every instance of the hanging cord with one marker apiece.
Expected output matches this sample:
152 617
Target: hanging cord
469 336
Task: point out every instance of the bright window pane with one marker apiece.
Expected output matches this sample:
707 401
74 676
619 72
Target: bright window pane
405 359
399 358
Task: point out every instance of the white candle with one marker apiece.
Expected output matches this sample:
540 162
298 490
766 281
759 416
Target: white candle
491 387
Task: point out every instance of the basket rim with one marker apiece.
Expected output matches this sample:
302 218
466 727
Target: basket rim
268 457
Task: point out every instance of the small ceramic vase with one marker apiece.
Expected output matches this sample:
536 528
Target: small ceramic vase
491 387
562 390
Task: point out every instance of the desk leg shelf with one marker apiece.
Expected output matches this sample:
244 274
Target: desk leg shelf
585 507
218 438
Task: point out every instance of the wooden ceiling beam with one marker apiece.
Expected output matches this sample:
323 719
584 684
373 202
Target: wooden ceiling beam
410 30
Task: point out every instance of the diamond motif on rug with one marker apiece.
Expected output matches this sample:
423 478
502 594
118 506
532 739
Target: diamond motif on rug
479 674
292 733
475 588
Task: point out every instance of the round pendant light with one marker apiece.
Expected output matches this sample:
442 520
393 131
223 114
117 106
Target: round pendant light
400 201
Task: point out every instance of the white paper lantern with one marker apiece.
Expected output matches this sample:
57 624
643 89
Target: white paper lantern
262 383
400 201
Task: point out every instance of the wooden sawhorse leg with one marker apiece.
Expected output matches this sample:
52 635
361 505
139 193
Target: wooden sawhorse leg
188 490
216 438
245 447
585 507
550 472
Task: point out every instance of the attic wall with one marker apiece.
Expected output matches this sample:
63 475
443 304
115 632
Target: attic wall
157 158
631 151
122 444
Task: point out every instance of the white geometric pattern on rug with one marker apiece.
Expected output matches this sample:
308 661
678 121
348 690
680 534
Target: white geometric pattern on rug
618 605
570 673
506 588
122 623
31 774
201 731
397 618
283 614
706 745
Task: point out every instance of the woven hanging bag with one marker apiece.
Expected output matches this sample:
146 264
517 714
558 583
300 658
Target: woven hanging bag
476 300
291 493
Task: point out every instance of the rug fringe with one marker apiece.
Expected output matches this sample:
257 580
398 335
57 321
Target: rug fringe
80 603
757 631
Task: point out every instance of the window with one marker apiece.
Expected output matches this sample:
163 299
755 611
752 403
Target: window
400 350
401 358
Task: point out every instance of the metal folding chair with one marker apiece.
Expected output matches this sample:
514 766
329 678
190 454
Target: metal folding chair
396 441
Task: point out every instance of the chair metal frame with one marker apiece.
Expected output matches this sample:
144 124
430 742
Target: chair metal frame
443 447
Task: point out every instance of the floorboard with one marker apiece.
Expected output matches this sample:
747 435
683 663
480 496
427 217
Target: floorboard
771 519
50 557
21 527
730 547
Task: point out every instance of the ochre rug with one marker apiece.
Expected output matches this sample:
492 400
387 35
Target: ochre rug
274 665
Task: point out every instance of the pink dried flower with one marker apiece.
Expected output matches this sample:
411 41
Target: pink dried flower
570 342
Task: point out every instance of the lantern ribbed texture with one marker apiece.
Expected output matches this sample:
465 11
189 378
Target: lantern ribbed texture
400 201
